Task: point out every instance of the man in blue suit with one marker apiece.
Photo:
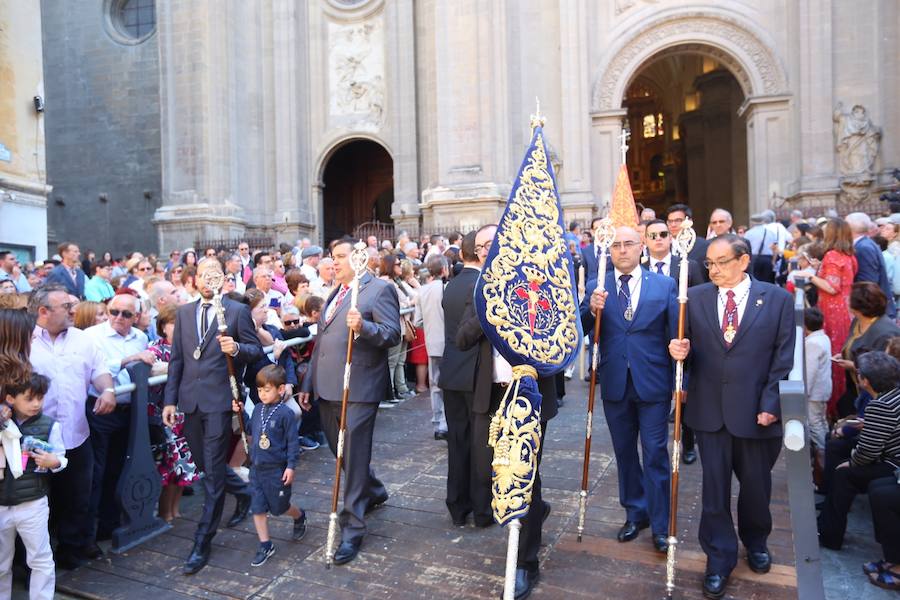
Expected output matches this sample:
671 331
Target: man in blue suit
635 376
869 258
741 344
590 255
68 273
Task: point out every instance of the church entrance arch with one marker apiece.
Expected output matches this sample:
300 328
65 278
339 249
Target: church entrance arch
357 187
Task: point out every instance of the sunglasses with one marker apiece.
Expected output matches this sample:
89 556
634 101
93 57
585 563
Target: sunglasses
115 312
145 268
291 322
658 235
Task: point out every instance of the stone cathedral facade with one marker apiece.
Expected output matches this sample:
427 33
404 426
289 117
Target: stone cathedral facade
305 117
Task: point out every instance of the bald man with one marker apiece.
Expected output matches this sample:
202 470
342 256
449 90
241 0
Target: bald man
639 310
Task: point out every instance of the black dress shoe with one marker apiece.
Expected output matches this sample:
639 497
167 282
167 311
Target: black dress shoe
689 457
760 562
440 435
346 552
90 552
546 513
525 582
198 558
376 502
241 510
714 586
660 542
67 559
630 530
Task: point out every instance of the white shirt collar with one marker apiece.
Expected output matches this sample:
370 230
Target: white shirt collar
635 274
108 331
667 259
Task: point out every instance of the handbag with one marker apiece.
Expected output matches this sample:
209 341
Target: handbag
407 329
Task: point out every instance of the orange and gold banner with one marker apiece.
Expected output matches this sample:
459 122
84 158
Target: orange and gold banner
622 210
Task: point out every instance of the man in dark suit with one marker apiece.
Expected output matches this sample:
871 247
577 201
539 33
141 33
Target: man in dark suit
635 377
590 255
198 385
661 261
869 258
68 273
741 344
675 216
375 325
459 384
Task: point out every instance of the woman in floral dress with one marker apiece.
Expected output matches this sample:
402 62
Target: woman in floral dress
172 454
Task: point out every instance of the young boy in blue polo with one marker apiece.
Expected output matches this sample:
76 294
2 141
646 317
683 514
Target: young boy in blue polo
273 456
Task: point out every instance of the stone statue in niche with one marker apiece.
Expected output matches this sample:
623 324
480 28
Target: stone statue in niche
356 61
856 140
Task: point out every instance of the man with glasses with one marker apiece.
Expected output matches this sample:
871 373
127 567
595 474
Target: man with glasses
636 378
68 356
720 223
741 344
675 216
120 343
233 266
98 288
68 273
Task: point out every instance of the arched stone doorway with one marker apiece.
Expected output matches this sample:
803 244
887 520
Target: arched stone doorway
688 143
358 187
726 42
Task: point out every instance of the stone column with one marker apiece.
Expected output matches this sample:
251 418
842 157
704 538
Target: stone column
606 126
769 160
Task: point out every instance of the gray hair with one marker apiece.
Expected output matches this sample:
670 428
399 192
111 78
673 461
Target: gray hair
290 309
881 369
797 213
724 212
138 306
859 222
40 296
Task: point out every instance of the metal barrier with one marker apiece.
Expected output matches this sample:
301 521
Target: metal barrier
807 559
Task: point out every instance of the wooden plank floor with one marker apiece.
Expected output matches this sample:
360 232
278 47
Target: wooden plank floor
413 550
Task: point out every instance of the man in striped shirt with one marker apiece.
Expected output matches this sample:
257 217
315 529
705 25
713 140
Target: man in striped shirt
878 452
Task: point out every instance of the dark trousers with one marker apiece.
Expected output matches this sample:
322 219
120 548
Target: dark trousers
482 457
837 450
530 536
70 499
312 420
846 483
209 435
751 460
109 441
643 489
361 486
460 474
884 498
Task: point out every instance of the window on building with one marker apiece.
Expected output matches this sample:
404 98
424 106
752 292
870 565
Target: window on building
133 20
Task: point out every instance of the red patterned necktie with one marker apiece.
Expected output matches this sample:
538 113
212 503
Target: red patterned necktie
332 310
730 319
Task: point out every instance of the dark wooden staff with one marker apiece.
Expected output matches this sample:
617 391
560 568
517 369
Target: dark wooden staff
604 235
214 280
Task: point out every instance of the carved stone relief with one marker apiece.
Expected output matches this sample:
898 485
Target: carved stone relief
356 74
856 140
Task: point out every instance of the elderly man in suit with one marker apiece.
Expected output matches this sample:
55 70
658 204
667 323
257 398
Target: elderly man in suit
635 377
375 326
68 273
741 344
430 316
869 258
198 385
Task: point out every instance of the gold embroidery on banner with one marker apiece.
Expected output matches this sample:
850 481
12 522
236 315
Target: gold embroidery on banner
527 288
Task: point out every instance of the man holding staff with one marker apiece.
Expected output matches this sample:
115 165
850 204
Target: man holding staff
199 385
635 378
732 402
375 326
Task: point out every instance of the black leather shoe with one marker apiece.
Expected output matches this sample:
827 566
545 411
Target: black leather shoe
198 558
760 562
660 542
630 530
525 582
346 552
546 513
241 510
714 586
67 559
689 457
484 523
376 502
440 435
90 552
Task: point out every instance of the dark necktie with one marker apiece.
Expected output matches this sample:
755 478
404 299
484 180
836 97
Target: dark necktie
204 319
730 318
659 267
332 310
625 296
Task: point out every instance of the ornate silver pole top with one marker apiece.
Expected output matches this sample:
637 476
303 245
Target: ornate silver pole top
604 233
684 241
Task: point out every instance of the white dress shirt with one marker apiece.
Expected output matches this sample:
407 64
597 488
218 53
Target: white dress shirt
634 285
666 261
502 369
114 348
741 291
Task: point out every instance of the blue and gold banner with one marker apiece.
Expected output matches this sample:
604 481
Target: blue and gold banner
525 299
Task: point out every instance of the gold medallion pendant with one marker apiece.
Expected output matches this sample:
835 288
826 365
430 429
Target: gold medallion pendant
264 442
729 334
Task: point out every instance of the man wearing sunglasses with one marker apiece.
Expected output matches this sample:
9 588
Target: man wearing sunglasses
639 312
120 343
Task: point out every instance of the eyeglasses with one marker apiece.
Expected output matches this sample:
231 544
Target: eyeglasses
115 312
291 323
718 222
658 235
145 268
625 246
675 221
485 246
718 264
66 305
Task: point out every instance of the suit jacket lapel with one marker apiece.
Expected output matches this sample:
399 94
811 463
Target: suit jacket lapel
323 323
751 311
612 300
710 304
646 292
